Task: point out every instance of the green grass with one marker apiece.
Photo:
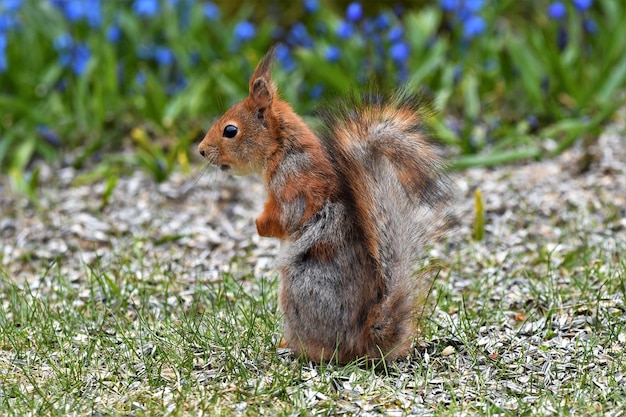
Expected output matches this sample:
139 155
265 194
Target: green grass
143 341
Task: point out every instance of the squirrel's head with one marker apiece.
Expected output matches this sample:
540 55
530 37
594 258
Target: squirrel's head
244 138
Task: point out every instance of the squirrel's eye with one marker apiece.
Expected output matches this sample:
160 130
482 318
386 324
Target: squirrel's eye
230 131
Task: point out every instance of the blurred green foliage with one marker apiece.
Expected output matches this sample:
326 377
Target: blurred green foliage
147 77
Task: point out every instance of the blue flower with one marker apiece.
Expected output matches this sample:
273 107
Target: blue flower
467 13
93 13
283 55
368 27
164 56
10 6
382 21
48 135
473 6
463 8
557 10
311 6
400 52
174 87
395 34
473 26
333 53
298 35
7 22
63 41
146 8
590 26
71 54
316 91
114 33
449 5
76 10
80 58
244 31
583 4
3 58
354 12
211 11
345 30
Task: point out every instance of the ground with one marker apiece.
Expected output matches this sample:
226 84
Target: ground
161 298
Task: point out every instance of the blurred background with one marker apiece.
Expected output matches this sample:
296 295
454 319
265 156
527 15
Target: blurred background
120 85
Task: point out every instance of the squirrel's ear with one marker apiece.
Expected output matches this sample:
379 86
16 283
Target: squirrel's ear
261 87
261 94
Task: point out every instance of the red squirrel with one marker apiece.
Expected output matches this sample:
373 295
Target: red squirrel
354 205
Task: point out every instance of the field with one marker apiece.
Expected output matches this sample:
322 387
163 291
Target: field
132 279
164 301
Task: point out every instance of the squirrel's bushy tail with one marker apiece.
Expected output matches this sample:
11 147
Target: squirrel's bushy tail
394 180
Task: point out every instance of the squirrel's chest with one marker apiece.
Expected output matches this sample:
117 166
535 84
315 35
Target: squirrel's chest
299 191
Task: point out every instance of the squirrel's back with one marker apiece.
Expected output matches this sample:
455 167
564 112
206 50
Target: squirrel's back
350 284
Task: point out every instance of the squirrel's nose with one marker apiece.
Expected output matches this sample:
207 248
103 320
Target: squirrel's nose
201 149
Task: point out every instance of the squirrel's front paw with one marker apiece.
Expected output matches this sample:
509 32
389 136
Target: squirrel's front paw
269 227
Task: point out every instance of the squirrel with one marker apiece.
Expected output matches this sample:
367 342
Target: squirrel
354 205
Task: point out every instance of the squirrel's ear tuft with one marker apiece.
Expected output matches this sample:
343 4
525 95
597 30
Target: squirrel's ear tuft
261 87
264 68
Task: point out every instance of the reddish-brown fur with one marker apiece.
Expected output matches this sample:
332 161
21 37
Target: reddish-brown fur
304 176
323 252
283 128
268 222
